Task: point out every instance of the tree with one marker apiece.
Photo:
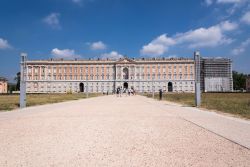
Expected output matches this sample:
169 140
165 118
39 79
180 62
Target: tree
11 87
239 80
17 79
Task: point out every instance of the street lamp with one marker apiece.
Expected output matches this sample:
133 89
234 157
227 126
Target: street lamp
87 86
23 75
153 94
197 79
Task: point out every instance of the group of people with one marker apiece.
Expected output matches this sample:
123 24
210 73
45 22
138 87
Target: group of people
126 91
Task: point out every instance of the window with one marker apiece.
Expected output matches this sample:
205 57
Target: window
153 69
180 69
137 69
54 70
49 70
137 76
164 69
36 70
142 75
191 69
30 70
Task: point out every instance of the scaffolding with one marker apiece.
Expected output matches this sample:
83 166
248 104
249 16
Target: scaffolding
216 75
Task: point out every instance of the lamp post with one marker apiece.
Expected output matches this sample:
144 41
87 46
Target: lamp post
22 99
197 78
87 87
153 94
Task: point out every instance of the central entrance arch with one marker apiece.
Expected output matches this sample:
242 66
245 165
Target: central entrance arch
125 85
170 87
81 86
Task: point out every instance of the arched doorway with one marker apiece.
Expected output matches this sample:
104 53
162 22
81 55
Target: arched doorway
81 85
125 85
170 87
125 73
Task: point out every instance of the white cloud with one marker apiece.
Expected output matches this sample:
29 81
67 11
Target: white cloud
246 18
112 55
4 44
207 37
158 46
81 2
77 1
201 37
98 45
232 5
228 26
53 20
241 48
230 1
208 2
64 53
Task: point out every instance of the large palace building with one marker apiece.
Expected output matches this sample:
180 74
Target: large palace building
143 75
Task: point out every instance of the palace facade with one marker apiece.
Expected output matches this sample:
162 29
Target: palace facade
3 85
144 75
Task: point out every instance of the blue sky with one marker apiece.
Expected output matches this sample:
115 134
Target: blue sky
114 28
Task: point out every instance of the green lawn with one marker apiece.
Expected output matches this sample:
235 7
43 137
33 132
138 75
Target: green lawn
233 103
9 102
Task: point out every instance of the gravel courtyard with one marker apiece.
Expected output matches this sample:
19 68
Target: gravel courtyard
127 131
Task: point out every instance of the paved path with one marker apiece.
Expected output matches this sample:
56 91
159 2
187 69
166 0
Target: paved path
127 131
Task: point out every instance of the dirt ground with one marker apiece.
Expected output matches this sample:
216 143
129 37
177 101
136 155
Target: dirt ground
120 131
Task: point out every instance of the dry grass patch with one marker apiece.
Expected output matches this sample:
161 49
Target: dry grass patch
233 103
9 102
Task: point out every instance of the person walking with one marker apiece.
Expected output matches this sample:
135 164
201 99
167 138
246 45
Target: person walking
117 92
120 92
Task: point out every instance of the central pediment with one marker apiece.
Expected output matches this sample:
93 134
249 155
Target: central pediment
125 60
